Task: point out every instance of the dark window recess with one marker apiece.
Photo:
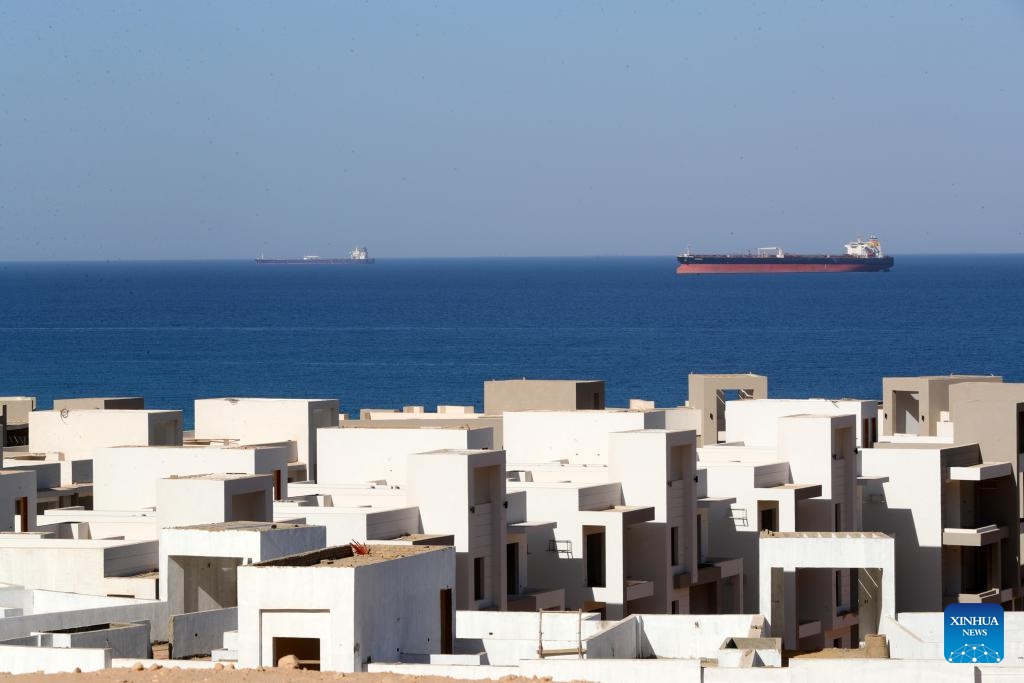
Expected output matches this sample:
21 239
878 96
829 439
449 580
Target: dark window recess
478 578
595 560
512 568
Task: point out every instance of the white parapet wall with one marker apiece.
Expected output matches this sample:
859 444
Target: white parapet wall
96 567
125 477
77 433
613 670
24 659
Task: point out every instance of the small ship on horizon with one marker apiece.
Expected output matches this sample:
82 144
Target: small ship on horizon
357 256
861 256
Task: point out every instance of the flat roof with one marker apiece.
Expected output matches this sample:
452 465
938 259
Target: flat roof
225 476
263 399
344 556
824 534
243 526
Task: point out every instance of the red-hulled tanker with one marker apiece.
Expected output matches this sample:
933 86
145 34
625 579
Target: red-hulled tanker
860 256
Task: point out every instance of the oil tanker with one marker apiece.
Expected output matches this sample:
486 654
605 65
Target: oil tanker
356 256
861 256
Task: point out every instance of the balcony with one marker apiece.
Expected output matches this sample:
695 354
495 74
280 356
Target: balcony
993 595
981 471
638 588
976 537
534 599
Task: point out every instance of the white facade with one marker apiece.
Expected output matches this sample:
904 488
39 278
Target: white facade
359 454
249 421
78 433
212 498
17 500
125 477
198 563
349 610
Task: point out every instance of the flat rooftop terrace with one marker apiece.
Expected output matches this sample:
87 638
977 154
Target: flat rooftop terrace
823 534
242 526
345 556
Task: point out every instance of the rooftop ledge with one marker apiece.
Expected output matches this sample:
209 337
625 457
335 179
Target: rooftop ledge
981 471
980 536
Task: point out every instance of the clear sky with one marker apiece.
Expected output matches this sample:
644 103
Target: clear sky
223 129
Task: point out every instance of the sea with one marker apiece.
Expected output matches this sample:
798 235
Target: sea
431 331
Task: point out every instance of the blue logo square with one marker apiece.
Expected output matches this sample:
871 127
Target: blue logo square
973 633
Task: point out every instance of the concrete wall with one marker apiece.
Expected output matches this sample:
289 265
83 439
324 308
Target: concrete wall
908 505
784 554
267 420
913 405
100 403
125 478
755 422
621 640
362 454
579 437
74 566
15 486
345 524
510 637
134 611
613 670
374 611
200 633
501 396
18 408
217 543
123 640
472 509
186 501
18 659
709 393
77 433
690 636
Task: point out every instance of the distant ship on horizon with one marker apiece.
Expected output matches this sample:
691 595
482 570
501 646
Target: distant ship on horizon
861 256
358 255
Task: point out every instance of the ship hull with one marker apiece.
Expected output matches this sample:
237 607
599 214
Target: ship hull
314 262
697 265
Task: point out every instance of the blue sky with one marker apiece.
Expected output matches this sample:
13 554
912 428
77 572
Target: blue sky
223 129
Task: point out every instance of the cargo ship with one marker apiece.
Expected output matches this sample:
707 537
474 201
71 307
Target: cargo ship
356 256
861 256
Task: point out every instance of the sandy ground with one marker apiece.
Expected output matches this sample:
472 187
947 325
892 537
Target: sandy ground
228 676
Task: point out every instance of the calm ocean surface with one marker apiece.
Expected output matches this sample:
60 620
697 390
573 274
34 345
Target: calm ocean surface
431 331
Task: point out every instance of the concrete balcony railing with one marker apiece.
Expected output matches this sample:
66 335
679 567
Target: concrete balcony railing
534 599
711 569
638 588
976 537
994 595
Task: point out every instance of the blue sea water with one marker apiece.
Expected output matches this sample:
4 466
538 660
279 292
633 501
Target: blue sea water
430 331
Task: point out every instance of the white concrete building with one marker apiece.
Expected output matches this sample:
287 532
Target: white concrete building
198 563
125 477
336 610
212 498
367 452
76 434
17 500
806 482
955 519
250 421
92 567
